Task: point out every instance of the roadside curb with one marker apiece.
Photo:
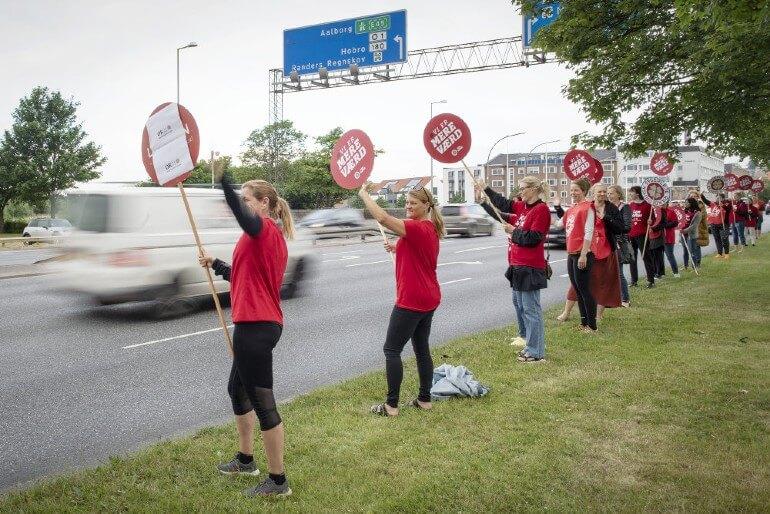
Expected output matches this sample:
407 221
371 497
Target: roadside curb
20 271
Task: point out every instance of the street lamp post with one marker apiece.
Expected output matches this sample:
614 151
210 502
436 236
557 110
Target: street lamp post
489 155
431 159
546 143
192 44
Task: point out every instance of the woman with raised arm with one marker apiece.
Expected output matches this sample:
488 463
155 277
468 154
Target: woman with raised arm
528 221
417 292
255 276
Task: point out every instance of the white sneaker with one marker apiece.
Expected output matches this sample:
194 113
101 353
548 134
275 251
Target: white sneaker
677 275
519 341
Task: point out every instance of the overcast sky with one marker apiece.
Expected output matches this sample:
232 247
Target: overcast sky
118 59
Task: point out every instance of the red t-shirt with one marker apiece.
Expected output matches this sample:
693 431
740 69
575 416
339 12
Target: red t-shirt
416 259
714 213
655 223
670 232
600 245
640 214
740 212
574 225
526 217
751 219
259 263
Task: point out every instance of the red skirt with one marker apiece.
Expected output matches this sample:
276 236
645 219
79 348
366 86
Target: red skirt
605 282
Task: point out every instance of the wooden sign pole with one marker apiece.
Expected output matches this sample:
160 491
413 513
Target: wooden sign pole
208 270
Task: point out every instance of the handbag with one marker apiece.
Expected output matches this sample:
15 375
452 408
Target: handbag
626 251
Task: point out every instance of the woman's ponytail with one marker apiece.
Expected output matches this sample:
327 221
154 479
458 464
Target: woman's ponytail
283 211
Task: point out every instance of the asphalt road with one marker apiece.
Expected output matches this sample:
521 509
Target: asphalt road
15 257
78 385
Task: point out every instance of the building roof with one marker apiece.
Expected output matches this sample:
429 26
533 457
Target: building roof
500 159
400 185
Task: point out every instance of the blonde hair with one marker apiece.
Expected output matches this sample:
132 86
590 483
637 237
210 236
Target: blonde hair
424 196
583 184
597 186
541 186
619 191
279 208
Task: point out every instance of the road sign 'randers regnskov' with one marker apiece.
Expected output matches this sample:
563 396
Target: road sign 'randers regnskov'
374 40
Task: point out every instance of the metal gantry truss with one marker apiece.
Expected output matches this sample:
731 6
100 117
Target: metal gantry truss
493 54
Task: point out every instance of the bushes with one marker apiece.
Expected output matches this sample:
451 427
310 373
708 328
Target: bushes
15 226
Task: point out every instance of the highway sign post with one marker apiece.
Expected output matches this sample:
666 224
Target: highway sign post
375 40
532 25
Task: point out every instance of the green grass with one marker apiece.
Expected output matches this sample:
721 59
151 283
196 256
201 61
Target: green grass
4 235
666 410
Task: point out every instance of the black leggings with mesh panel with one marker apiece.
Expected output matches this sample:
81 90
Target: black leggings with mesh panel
251 377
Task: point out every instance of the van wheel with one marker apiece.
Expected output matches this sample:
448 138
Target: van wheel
174 307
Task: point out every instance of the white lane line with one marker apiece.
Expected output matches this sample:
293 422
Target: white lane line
365 263
558 260
344 258
479 248
341 253
453 281
459 262
564 276
175 337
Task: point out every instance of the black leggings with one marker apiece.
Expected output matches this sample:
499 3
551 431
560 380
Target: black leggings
581 281
406 324
649 266
721 238
251 377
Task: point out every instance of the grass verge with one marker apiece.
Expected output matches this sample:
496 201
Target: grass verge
668 408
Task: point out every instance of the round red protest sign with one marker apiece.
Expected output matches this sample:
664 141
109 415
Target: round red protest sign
731 181
192 138
680 217
598 172
757 186
745 181
447 138
660 164
655 191
352 159
579 164
716 184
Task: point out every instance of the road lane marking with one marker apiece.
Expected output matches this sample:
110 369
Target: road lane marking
341 253
365 263
459 262
564 276
174 337
453 281
343 258
558 260
479 248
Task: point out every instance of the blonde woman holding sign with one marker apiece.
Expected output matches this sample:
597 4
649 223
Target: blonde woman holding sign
255 276
417 291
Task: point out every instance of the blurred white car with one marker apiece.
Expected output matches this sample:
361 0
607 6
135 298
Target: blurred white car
45 227
136 244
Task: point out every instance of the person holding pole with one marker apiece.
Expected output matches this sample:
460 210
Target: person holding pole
670 223
255 276
640 219
693 214
716 216
528 221
740 214
579 222
417 292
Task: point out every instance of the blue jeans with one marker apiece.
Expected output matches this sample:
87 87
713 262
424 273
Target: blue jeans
623 283
739 233
669 249
694 251
529 316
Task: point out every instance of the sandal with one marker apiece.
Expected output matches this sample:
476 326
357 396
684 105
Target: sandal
380 410
529 358
416 404
562 318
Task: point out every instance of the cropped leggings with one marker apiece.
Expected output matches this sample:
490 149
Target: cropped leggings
404 325
251 377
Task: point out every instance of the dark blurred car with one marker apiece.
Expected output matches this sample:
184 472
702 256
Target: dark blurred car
342 222
467 220
556 236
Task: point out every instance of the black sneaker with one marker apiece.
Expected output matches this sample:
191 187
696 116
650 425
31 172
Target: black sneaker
236 467
268 487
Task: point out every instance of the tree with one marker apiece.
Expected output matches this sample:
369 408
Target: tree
458 197
272 149
201 173
683 65
45 151
401 202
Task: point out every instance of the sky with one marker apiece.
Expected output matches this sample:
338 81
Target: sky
118 59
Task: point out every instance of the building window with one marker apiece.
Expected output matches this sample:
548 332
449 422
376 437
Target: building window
551 169
644 167
497 183
608 180
552 194
533 169
630 167
552 182
450 175
608 166
630 180
521 161
563 194
522 171
497 171
564 182
476 173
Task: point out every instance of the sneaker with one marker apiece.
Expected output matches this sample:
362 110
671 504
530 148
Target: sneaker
236 467
519 341
677 275
268 487
650 285
718 256
727 257
625 304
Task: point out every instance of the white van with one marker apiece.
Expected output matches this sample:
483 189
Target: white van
135 244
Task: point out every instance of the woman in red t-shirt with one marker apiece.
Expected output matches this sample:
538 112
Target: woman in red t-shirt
760 206
751 223
256 274
417 292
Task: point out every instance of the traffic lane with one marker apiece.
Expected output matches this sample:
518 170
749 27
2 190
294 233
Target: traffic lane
16 257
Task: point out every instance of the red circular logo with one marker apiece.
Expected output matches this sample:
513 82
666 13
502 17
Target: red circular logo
757 186
745 181
580 164
731 182
447 138
660 165
352 159
193 145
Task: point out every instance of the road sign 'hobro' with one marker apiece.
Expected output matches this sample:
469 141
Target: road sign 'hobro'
374 40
